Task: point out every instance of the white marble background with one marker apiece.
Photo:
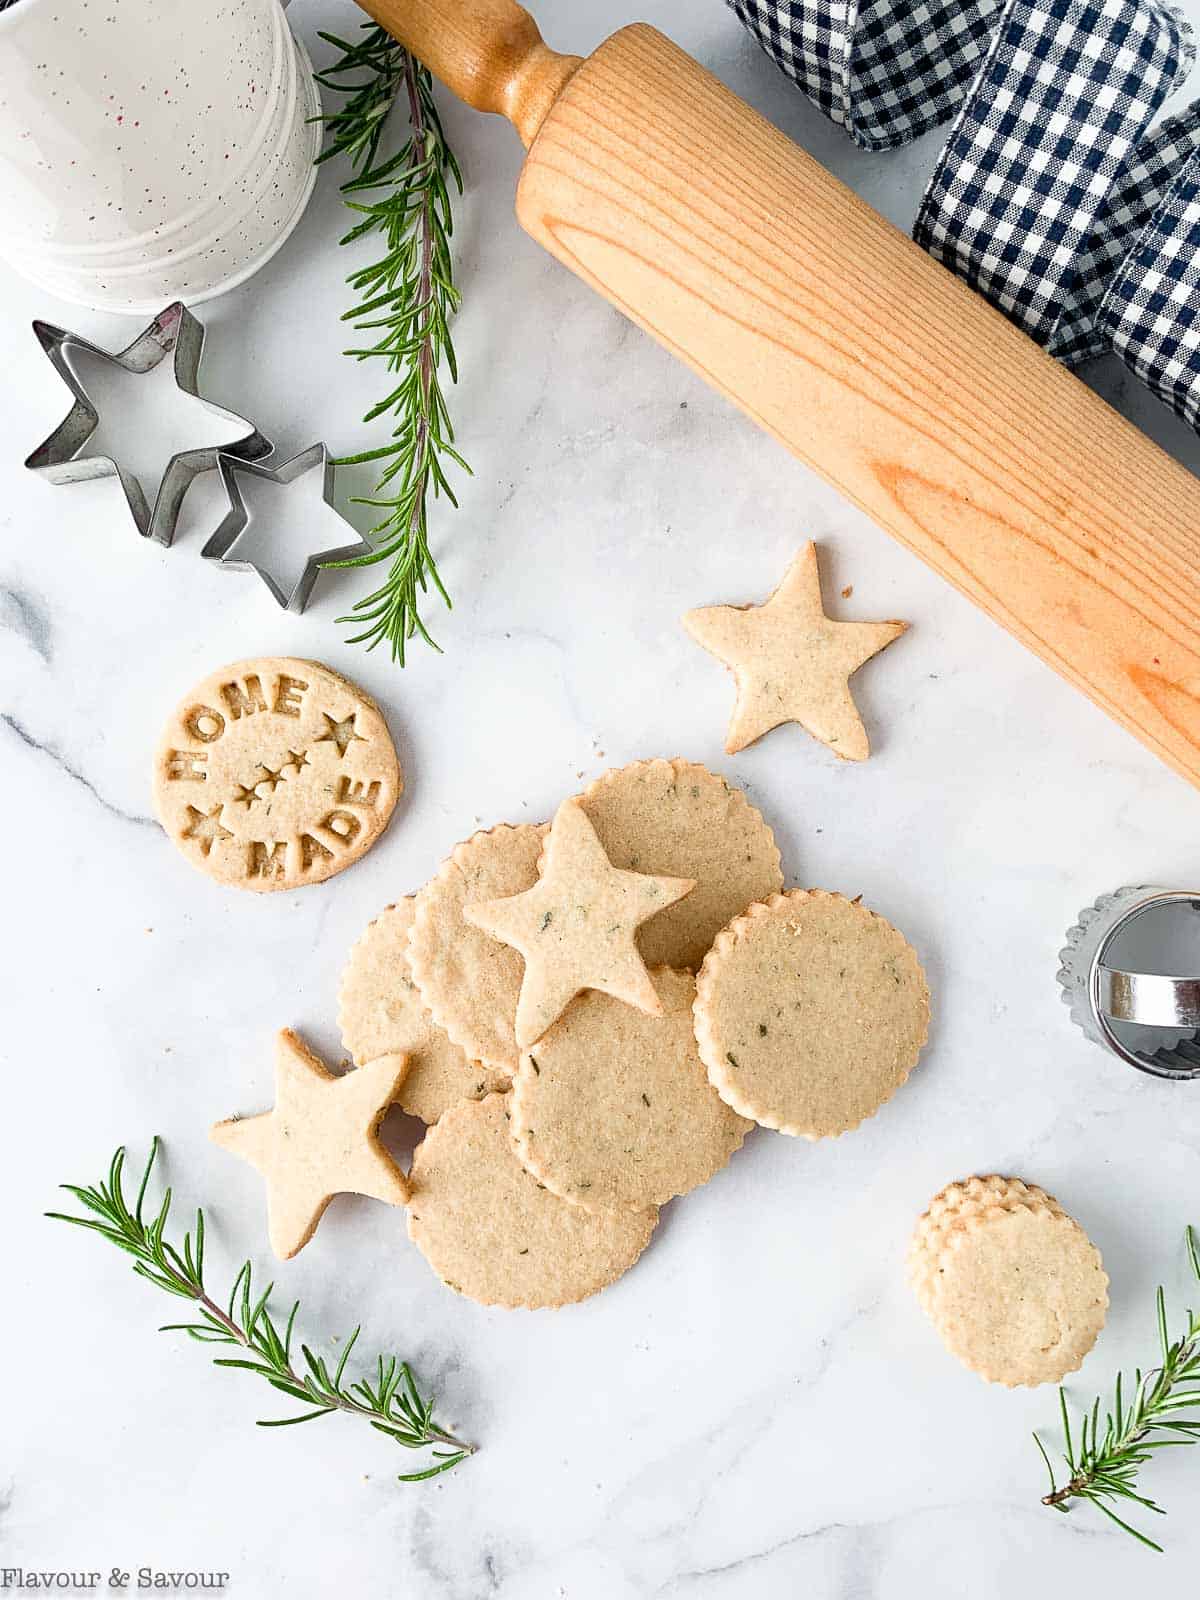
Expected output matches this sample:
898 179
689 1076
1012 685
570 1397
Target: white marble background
759 1410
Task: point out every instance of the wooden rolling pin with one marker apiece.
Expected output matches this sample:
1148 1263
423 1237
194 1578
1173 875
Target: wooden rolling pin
867 359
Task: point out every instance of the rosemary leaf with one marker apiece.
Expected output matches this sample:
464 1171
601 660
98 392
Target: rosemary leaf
404 301
179 1270
1160 1409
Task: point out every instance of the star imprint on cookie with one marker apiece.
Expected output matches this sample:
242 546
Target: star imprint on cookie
340 732
791 662
576 926
321 1139
205 827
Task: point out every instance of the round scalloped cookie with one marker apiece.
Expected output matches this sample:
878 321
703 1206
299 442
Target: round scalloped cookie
612 1107
810 1013
275 773
469 981
957 1207
980 1191
677 819
1019 1296
492 1232
959 1201
380 1012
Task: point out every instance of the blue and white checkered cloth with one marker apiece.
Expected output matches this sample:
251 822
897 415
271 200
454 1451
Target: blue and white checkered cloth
1052 197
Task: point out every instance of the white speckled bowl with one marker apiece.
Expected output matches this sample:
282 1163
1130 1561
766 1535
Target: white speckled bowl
150 150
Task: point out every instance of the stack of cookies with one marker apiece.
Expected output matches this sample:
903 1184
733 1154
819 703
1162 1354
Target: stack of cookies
1013 1285
594 1014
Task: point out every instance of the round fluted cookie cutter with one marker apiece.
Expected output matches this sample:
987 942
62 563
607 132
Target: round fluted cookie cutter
1148 1019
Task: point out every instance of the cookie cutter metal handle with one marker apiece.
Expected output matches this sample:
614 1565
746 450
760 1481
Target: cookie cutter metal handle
1148 998
1110 1004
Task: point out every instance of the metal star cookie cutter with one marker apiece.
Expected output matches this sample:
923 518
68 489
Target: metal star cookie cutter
221 547
1148 1019
174 332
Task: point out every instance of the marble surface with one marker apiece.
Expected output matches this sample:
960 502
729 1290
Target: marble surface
758 1410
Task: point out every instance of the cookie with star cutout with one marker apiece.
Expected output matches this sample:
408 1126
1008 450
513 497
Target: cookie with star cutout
274 773
792 663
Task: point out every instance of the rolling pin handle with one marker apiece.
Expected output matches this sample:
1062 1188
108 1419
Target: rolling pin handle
489 52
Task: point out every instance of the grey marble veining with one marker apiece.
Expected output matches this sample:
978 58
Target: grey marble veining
758 1411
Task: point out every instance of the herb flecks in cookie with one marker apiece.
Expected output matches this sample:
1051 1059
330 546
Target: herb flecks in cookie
471 983
677 817
791 662
617 1110
321 1139
845 1002
576 926
492 1232
381 1012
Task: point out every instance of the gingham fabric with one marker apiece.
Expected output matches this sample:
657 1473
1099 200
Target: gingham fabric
1051 196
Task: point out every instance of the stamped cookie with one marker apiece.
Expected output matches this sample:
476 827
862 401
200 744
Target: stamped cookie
471 983
492 1232
676 817
274 773
614 1108
1013 1285
792 663
381 1013
810 1012
575 927
321 1139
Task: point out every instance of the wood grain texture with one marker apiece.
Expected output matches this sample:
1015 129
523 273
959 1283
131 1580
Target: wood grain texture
488 51
881 371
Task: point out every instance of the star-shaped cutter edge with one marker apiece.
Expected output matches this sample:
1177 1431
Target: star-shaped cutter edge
174 332
238 518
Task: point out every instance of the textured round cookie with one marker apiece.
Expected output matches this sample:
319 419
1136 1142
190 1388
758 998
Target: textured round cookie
1018 1294
613 1107
491 1231
678 819
380 1012
470 981
967 1192
274 773
956 1208
810 1012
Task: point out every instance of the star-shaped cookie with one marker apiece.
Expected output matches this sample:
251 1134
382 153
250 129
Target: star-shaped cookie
791 662
576 927
320 1140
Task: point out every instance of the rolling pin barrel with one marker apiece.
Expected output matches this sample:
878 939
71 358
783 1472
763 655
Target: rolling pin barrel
489 52
874 365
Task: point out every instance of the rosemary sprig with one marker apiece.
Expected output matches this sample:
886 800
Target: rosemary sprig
1103 1462
405 300
390 1401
